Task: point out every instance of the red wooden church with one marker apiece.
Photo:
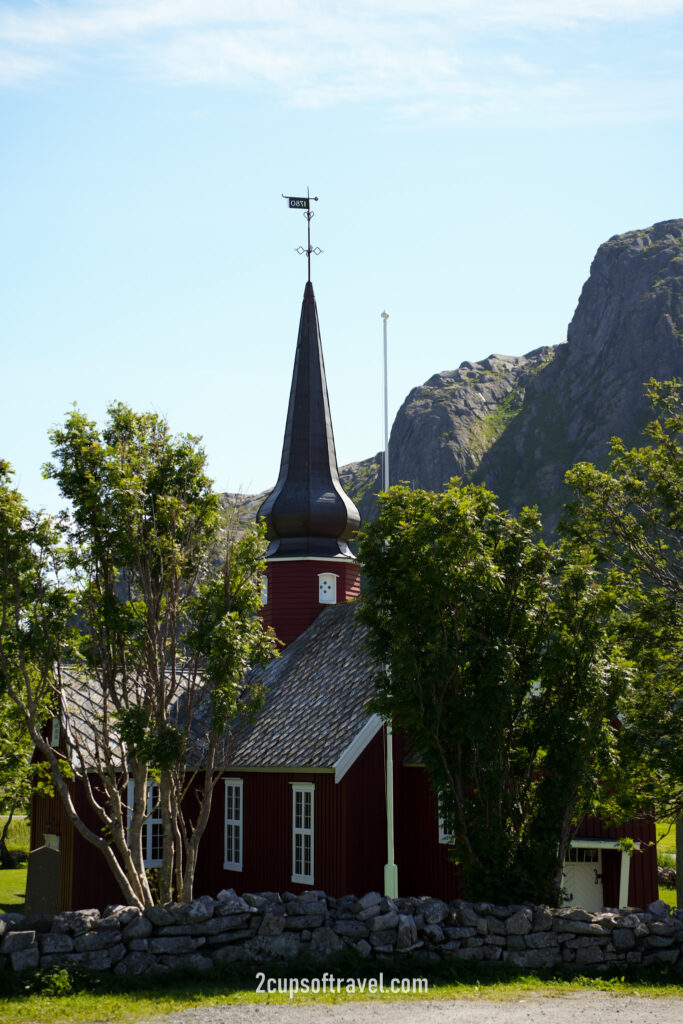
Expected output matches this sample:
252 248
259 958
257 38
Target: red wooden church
303 803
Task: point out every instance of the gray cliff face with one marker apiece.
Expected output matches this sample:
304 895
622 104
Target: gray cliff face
627 328
517 423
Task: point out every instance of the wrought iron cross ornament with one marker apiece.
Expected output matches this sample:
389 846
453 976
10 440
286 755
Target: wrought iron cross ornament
304 203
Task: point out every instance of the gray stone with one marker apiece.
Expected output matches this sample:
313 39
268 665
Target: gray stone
60 959
541 940
519 923
460 933
298 922
307 908
659 941
516 942
352 929
228 902
231 954
325 942
495 940
370 899
495 925
572 914
433 934
192 913
477 953
384 938
123 914
136 963
369 912
542 919
214 926
623 938
662 956
384 921
668 927
138 945
55 943
97 960
159 915
96 940
407 932
192 961
251 899
272 924
477 940
469 919
22 959
176 944
279 947
533 957
229 937
434 911
590 955
140 928
13 942
364 947
581 928
659 908
109 923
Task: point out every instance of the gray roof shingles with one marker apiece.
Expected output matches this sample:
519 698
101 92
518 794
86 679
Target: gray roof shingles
316 696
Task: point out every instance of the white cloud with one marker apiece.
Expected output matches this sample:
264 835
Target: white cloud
471 57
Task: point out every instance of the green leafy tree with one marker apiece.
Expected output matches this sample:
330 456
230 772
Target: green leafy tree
152 679
499 665
632 516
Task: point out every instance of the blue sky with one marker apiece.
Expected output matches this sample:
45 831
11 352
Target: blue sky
469 158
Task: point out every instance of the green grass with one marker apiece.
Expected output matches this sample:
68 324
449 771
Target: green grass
13 889
666 850
56 996
666 837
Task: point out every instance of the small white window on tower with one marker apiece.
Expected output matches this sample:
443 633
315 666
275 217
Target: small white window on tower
327 588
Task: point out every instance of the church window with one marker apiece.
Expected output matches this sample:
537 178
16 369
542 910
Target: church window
264 590
233 825
327 588
302 831
152 838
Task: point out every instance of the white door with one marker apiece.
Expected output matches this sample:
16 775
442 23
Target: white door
582 879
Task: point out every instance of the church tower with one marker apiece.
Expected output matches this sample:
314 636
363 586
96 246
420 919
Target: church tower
309 517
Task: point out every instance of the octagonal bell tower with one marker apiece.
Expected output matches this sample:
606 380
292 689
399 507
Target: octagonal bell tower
309 517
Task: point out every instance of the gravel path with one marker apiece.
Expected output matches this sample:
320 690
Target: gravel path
575 1008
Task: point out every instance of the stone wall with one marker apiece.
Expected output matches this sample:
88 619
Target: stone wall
268 927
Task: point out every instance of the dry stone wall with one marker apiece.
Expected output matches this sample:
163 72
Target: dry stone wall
266 927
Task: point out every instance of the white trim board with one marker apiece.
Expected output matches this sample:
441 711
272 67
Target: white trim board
356 747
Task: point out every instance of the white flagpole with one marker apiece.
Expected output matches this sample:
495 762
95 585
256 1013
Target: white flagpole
390 868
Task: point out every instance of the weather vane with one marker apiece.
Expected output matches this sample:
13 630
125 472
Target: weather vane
304 203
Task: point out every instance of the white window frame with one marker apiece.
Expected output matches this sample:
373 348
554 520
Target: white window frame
305 792
55 732
150 822
234 823
331 578
445 837
264 590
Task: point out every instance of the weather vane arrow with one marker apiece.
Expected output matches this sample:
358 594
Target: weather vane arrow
304 203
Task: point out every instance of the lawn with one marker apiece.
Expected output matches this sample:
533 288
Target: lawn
58 997
13 880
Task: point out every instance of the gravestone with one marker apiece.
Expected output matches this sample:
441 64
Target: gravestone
42 881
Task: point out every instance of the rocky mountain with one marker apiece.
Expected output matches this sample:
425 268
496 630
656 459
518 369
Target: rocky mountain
517 423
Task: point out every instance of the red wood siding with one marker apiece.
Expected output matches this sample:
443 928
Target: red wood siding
293 593
643 885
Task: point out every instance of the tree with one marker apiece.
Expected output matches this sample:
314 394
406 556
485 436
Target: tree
632 516
155 674
499 665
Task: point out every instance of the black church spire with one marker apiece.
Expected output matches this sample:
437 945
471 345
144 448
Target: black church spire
308 513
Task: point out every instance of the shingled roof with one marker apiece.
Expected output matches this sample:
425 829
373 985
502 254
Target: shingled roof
316 696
